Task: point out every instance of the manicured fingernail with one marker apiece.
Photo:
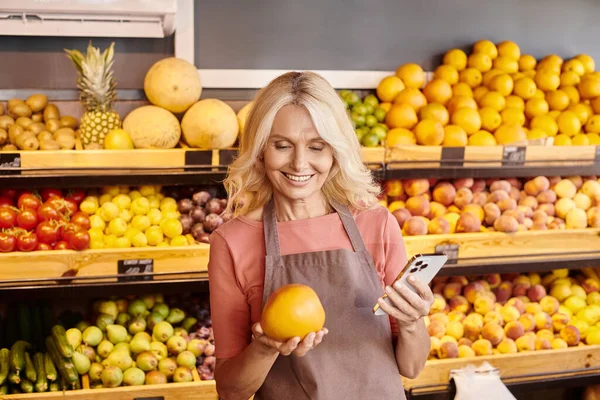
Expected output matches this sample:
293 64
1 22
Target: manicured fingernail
389 289
411 279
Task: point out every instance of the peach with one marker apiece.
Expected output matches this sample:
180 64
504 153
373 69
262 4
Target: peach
549 209
525 343
498 195
418 206
590 285
559 321
516 214
549 304
444 193
558 343
452 218
468 222
501 185
570 335
593 298
504 291
577 181
507 204
516 303
543 320
438 288
465 351
401 215
514 330
465 342
578 291
510 313
393 187
463 183
528 322
472 327
529 201
493 316
556 223
482 347
437 329
416 187
456 316
545 334
478 185
453 209
462 280
515 194
483 305
438 226
520 289
561 291
582 201
533 308
455 329
524 279
528 223
448 338
524 299
451 290
536 186
536 293
438 305
507 346
593 217
546 197
440 317
492 213
490 294
480 198
463 197
459 303
493 280
436 210
507 224
526 210
414 226
538 227
576 219
540 216
554 180
565 189
542 344
476 210
515 183
472 290
492 332
591 188
434 346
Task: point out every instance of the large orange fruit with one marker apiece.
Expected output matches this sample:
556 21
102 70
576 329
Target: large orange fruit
438 91
411 74
292 310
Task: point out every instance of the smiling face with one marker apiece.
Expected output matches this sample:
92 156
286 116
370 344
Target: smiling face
297 160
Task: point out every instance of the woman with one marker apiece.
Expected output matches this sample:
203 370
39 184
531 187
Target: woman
310 216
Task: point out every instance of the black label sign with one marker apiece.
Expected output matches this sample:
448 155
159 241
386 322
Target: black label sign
226 157
133 269
198 157
10 160
513 155
452 157
448 249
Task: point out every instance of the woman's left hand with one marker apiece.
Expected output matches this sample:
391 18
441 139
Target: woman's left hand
407 307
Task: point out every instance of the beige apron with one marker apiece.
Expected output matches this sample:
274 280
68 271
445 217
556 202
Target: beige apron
356 359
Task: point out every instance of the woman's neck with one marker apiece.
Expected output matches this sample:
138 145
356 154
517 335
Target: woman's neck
290 210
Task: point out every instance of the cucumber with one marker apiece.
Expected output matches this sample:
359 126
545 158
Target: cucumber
49 367
41 384
60 339
27 386
14 378
25 332
54 387
16 359
30 372
4 368
64 365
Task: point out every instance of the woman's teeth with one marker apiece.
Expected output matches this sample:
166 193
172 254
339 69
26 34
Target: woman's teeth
298 178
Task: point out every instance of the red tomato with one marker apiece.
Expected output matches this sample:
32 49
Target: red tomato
67 230
28 200
6 201
8 243
8 218
48 193
27 242
62 245
27 219
47 212
80 240
10 193
72 206
81 219
64 206
47 232
77 195
43 247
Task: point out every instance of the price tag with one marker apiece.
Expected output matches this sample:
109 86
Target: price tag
513 155
452 157
133 269
448 249
226 157
198 157
10 160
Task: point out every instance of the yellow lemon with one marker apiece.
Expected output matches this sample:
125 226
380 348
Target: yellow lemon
459 102
502 84
545 123
517 75
479 61
547 80
510 133
486 47
536 107
488 76
527 62
400 137
569 78
554 114
595 103
389 87
482 138
471 77
587 61
568 123
455 136
118 139
594 139
401 116
557 99
438 91
456 58
552 62
589 87
411 96
513 116
468 119
514 101
490 119
574 65
462 89
562 140
436 112
539 94
494 100
446 73
593 124
506 64
429 133
536 133
386 105
572 93
509 49
583 111
479 92
411 74
580 140
530 74
525 88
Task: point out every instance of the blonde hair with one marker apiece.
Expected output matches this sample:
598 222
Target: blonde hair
350 182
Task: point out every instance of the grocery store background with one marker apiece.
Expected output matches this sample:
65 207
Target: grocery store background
321 35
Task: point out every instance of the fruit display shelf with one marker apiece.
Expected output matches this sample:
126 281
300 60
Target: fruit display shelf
103 265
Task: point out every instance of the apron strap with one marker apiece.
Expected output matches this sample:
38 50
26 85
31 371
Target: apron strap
270 229
350 226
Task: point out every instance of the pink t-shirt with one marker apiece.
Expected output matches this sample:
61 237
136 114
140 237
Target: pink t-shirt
237 264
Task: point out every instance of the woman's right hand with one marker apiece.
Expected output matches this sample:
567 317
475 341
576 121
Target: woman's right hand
293 345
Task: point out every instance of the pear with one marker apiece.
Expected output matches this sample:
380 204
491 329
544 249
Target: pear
92 336
155 378
105 348
120 358
74 337
116 333
196 346
146 361
182 374
87 351
167 366
176 344
186 359
95 371
159 298
136 325
122 305
162 309
103 321
109 308
81 362
162 331
189 323
148 300
139 343
153 319
112 376
123 319
176 315
136 308
122 347
159 349
82 325
134 377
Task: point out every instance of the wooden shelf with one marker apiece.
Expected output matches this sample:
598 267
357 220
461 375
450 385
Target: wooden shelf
520 367
66 266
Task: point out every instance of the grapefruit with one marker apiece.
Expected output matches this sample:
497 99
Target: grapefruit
173 84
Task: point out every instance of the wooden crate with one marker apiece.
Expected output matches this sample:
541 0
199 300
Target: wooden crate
520 366
497 244
48 265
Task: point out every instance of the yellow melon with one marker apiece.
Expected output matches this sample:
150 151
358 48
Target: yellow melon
152 127
173 84
210 124
242 115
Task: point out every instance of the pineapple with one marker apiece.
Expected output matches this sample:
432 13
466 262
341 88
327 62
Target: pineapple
97 94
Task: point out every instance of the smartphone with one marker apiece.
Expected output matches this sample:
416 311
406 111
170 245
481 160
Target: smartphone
423 266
